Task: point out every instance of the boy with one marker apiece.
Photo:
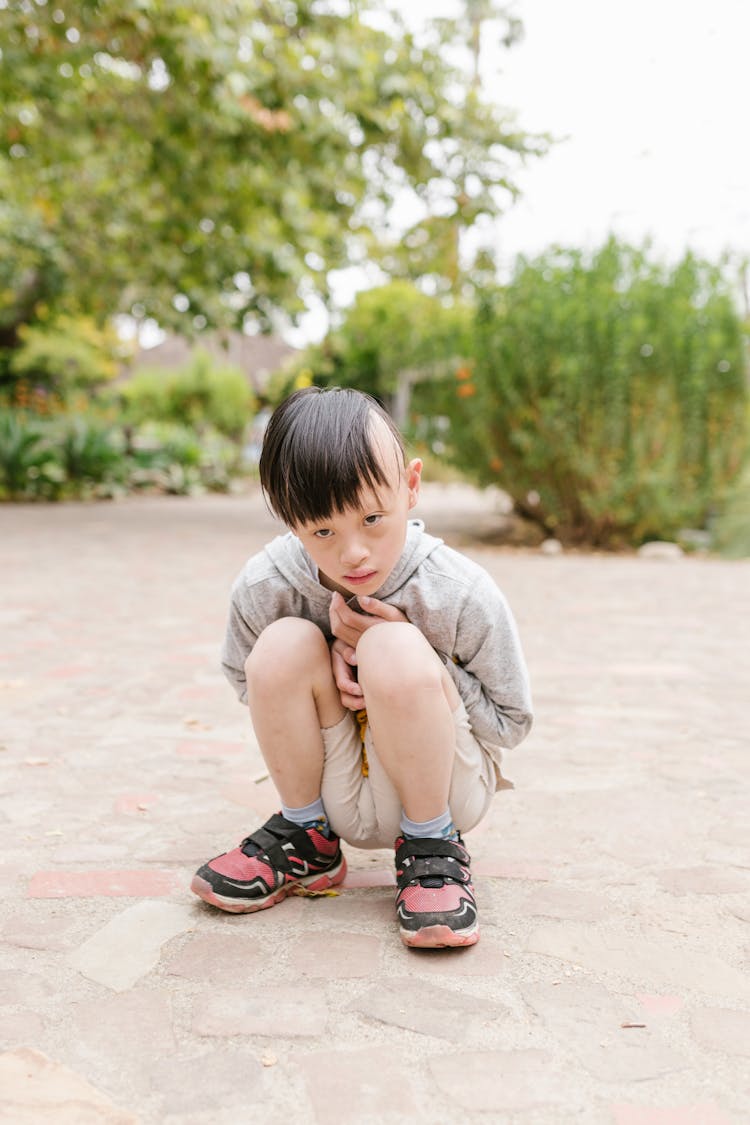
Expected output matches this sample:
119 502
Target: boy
382 670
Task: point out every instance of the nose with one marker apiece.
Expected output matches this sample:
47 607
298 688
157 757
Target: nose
353 553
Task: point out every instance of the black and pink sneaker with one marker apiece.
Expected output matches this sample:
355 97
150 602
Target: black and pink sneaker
435 901
268 865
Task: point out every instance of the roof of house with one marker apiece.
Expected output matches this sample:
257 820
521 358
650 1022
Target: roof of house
258 356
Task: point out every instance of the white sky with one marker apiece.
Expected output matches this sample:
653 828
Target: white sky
654 100
653 95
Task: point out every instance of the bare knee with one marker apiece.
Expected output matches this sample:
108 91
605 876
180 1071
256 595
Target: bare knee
289 650
394 659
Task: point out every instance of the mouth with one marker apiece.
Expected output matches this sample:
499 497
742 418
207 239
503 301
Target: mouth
358 579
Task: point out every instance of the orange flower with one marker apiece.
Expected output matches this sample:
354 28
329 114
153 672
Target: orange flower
466 390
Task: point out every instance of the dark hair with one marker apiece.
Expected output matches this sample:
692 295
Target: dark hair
319 453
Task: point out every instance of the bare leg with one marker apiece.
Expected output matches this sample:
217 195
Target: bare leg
410 699
292 694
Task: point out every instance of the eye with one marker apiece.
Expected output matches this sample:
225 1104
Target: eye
372 521
323 533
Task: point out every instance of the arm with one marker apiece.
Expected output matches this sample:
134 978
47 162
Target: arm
239 640
489 669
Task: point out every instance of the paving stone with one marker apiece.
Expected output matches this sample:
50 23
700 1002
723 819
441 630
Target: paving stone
420 1006
722 1029
205 1082
136 804
39 1091
705 1113
131 1023
659 1006
45 933
568 902
363 908
89 853
649 956
209 750
281 1012
336 955
498 1081
491 868
129 945
587 1020
704 881
23 988
488 958
372 877
369 1086
21 1029
93 884
220 958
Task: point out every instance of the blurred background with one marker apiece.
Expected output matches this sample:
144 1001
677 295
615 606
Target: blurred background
525 228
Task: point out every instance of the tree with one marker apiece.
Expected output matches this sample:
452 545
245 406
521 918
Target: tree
392 338
608 394
434 247
208 163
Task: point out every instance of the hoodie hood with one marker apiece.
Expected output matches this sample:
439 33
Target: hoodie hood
293 562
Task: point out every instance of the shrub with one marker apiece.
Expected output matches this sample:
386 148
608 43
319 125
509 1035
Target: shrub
89 452
63 356
200 395
28 468
607 395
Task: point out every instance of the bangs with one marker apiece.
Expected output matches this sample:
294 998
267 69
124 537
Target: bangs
321 453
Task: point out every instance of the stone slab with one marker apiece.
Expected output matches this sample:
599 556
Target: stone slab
38 1091
130 944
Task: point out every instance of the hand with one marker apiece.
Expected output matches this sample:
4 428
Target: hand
343 659
348 625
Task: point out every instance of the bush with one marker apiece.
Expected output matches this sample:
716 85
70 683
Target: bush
200 395
607 395
28 468
64 356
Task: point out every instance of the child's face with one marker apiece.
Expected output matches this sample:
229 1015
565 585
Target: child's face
355 550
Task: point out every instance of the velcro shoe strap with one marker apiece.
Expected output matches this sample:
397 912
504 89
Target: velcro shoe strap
427 867
276 832
432 847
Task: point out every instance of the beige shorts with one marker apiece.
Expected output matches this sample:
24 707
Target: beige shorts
365 810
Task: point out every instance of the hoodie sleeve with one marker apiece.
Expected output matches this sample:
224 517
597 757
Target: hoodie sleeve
489 669
239 640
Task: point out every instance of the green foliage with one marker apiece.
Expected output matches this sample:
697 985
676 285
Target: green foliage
173 459
65 355
27 465
608 394
392 338
731 530
204 163
201 395
87 451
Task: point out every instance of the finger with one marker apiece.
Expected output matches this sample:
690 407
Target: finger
341 648
342 674
381 610
351 702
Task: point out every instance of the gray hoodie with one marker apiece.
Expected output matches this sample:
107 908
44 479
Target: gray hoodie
451 599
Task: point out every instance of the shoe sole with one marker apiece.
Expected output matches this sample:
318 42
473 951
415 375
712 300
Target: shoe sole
203 889
439 937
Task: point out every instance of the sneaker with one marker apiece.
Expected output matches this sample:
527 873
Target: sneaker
435 901
268 865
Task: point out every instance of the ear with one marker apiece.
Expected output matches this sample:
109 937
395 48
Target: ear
413 479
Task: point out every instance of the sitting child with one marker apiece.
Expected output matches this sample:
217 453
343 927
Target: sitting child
382 670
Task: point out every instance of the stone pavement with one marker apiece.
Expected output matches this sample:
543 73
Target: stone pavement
611 983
